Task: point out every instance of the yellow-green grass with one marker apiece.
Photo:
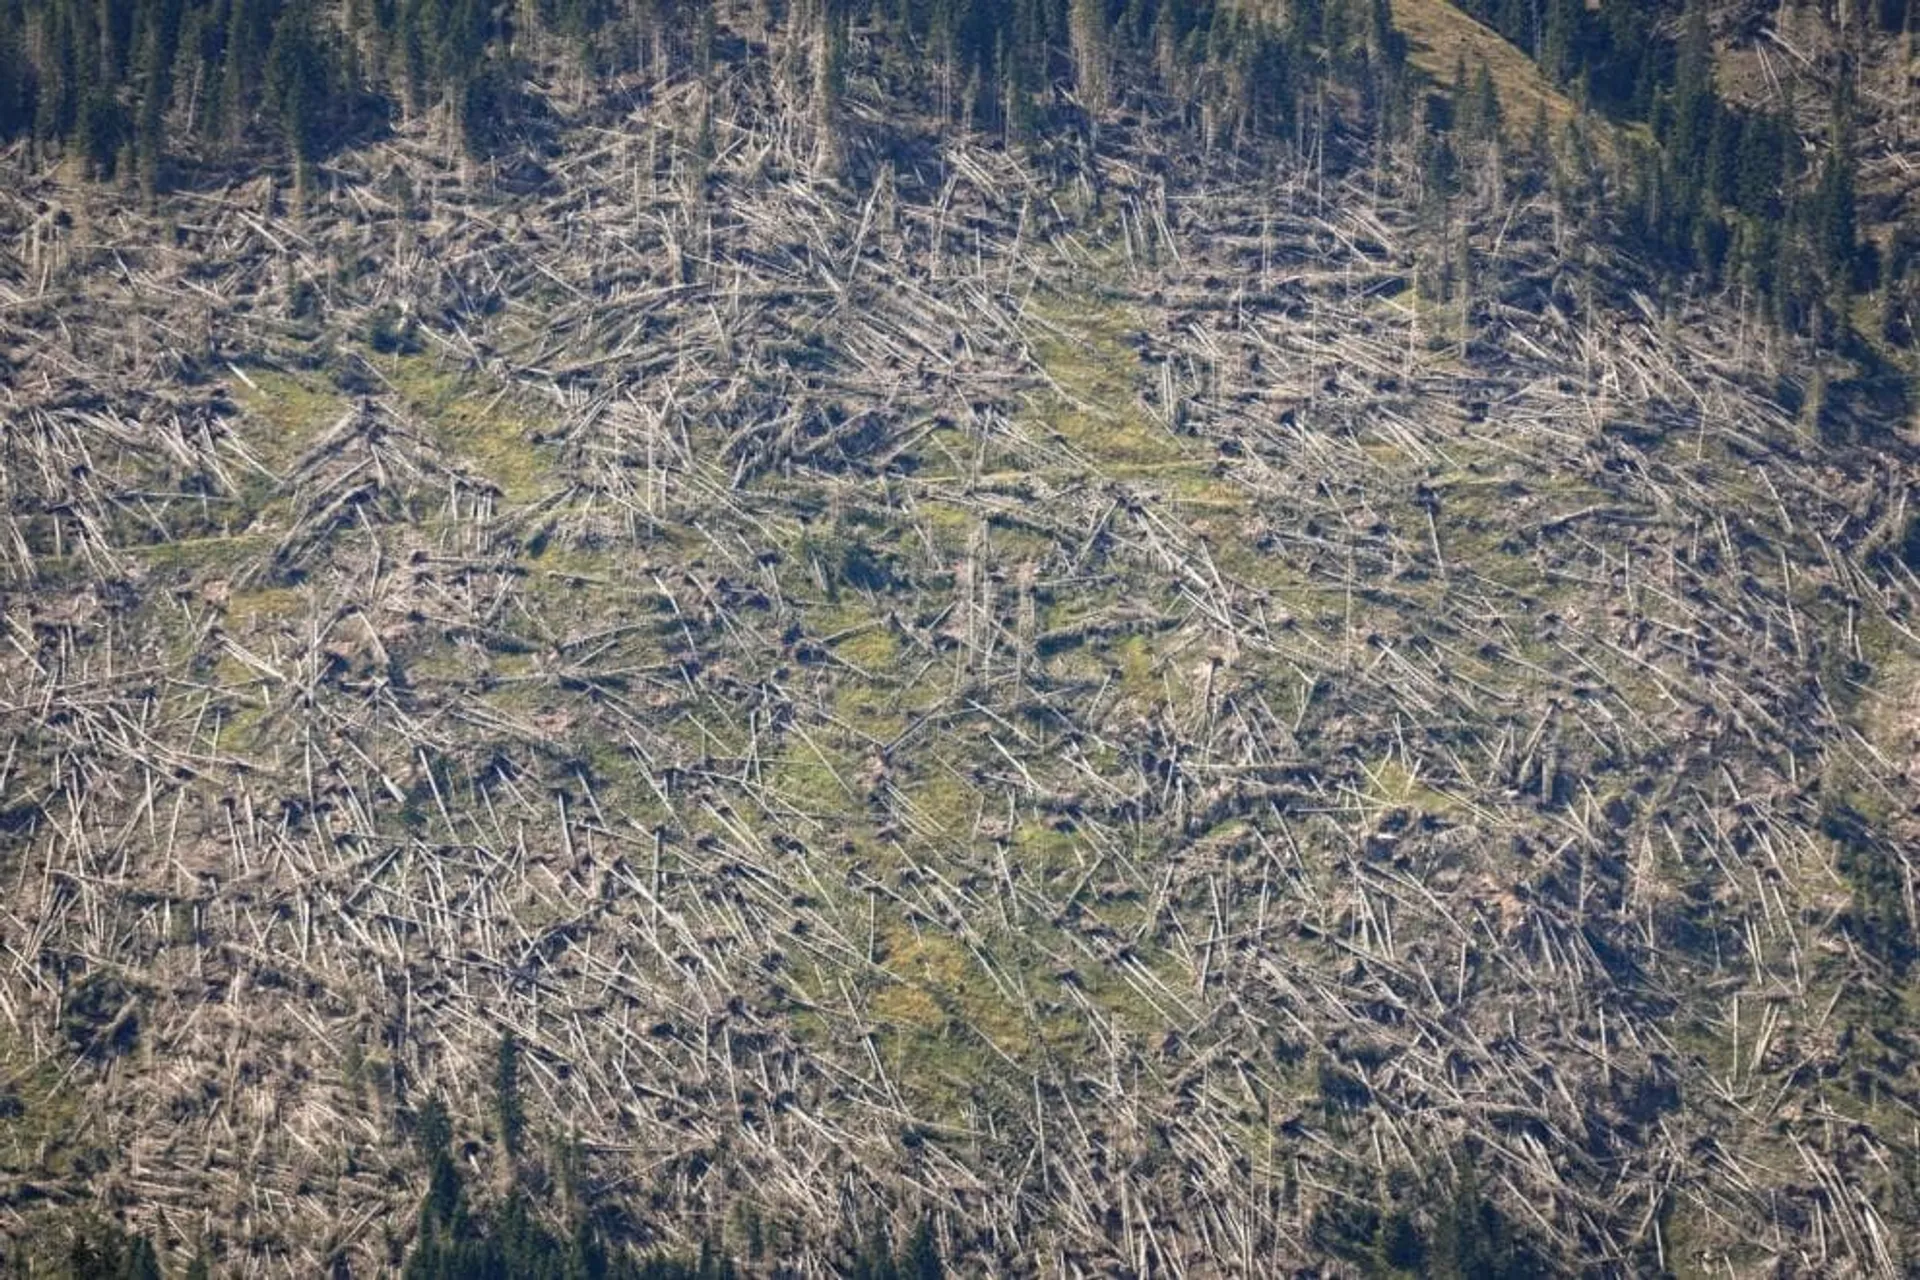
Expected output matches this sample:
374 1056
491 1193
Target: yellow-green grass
284 412
1441 37
477 419
1080 343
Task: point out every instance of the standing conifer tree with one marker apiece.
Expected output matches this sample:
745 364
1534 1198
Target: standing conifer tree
506 1094
296 86
15 119
1092 56
1834 231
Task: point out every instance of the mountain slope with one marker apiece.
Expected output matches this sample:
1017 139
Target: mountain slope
1048 689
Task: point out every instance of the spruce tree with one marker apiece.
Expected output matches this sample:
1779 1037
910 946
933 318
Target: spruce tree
506 1094
1694 101
99 131
14 116
297 80
60 75
1560 40
142 1262
1833 215
156 59
1485 105
1091 53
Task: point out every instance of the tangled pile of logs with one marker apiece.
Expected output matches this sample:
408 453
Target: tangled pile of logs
1047 690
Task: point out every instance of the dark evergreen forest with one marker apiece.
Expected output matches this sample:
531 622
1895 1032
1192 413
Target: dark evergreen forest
159 92
1724 194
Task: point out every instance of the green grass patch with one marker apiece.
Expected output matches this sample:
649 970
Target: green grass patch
1081 345
285 412
1044 852
868 709
1134 658
942 985
221 554
477 419
816 783
44 1134
942 800
268 606
1442 36
1392 784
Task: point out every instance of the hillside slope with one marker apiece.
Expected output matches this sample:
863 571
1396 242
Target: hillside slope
1046 689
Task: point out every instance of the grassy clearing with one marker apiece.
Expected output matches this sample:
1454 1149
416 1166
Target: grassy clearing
1490 552
266 607
1293 589
873 648
823 782
284 412
941 800
476 419
1436 327
220 554
909 1007
1392 784
855 634
868 709
43 1134
1890 711
944 1024
1044 854
949 1025
1139 677
1441 36
569 581
1081 344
